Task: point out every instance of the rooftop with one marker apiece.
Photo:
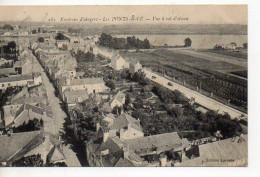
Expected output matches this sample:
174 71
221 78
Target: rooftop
228 152
123 121
16 78
87 81
75 95
119 97
7 71
161 142
14 143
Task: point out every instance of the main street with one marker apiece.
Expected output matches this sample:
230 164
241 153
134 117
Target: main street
58 116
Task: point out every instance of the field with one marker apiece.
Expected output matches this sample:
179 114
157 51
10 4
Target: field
238 54
211 74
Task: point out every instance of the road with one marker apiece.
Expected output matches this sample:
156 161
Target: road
56 126
58 114
199 98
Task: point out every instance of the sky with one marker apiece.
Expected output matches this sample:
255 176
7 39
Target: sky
196 14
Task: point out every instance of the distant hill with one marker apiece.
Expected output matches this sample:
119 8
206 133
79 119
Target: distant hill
96 28
176 29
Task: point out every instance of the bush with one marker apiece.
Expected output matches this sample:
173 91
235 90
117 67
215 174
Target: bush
110 84
30 161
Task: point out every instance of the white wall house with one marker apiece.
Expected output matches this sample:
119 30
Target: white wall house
118 63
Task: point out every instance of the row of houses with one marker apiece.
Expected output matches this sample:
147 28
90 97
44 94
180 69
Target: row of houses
120 141
30 104
117 61
61 67
27 104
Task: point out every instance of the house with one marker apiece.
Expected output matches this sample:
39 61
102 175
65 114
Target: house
108 120
71 98
55 156
104 52
126 127
150 151
21 80
229 152
6 63
92 85
16 115
24 144
134 66
118 62
16 145
7 71
117 100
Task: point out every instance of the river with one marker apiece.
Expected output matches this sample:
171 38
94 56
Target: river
198 41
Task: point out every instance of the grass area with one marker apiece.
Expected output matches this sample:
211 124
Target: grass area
238 54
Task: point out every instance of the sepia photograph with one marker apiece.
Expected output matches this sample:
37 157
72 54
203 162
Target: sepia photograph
124 86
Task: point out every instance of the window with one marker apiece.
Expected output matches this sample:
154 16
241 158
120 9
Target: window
9 84
3 85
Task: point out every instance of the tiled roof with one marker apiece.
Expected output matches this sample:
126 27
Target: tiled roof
35 109
161 142
14 143
123 120
115 152
119 97
72 96
234 149
21 100
56 155
16 78
7 71
87 81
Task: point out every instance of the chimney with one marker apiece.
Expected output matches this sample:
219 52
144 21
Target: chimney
129 125
68 81
163 161
97 126
126 152
105 136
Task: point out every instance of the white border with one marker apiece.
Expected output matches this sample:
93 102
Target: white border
254 106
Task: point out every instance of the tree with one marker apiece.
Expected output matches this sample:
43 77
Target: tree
11 45
127 99
147 44
131 89
61 36
34 31
58 164
85 116
110 84
187 42
31 125
245 45
30 161
8 27
41 39
117 110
